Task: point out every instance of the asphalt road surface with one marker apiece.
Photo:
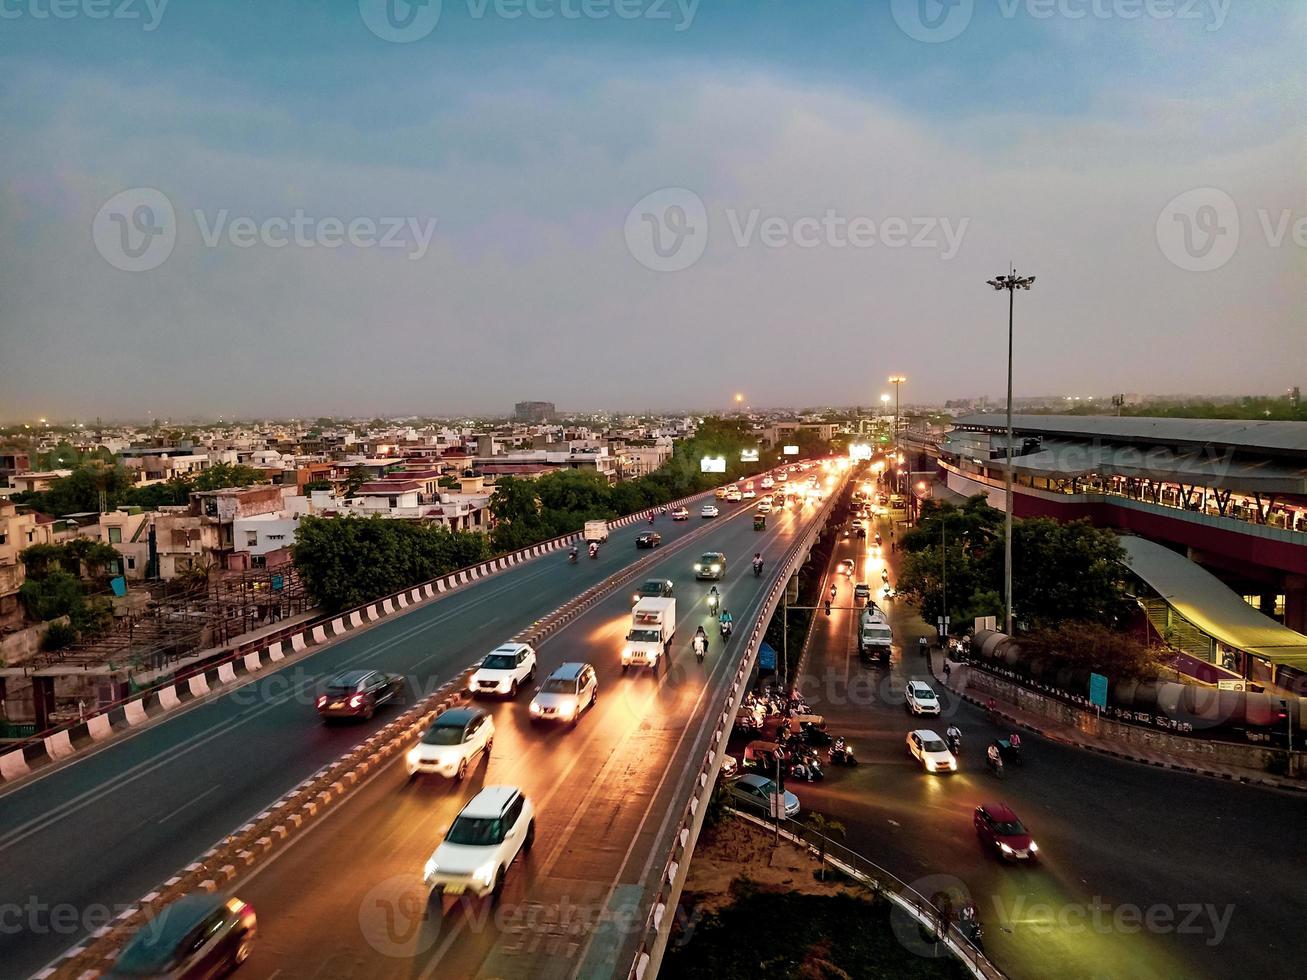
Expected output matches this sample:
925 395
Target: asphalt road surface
1145 873
83 841
347 900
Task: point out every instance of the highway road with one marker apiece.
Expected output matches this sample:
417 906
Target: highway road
84 840
346 899
1146 873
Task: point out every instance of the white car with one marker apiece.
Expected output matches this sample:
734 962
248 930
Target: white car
847 567
929 749
568 691
504 670
452 744
764 506
750 493
708 510
734 496
920 699
681 514
861 591
767 483
485 838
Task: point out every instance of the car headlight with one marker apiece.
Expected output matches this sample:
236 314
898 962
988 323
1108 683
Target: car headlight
430 868
566 710
698 568
486 873
930 765
535 708
626 656
1034 848
1004 848
413 756
716 569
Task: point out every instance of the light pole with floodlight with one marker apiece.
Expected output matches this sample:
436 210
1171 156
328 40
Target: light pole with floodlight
1011 282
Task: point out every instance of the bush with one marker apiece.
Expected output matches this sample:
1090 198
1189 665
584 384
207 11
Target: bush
58 635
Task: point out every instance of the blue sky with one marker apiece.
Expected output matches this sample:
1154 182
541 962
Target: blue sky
1056 140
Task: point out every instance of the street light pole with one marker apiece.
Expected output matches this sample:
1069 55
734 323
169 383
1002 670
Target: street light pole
1011 282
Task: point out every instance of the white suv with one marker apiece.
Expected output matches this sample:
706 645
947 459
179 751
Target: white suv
929 749
568 691
451 745
921 699
504 669
486 837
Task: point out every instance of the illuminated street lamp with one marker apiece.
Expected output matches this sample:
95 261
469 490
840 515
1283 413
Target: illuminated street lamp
1011 282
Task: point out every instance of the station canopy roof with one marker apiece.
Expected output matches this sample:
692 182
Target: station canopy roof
1200 464
1208 603
1267 438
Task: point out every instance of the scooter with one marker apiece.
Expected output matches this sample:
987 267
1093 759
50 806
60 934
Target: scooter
726 630
955 744
700 649
842 755
995 764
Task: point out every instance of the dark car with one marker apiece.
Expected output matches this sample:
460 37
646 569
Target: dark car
359 693
650 539
998 827
711 565
653 588
196 936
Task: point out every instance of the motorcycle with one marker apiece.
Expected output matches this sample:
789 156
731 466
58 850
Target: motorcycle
955 744
651 518
571 557
969 926
757 569
700 648
726 628
1009 752
842 755
594 551
995 763
712 603
807 768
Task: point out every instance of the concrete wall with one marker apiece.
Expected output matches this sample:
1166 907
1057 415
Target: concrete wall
19 647
1198 750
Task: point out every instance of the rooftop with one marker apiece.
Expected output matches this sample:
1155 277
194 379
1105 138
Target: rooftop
1270 437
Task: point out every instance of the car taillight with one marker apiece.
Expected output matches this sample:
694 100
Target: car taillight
322 700
356 701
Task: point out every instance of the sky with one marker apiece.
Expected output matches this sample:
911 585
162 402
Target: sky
366 207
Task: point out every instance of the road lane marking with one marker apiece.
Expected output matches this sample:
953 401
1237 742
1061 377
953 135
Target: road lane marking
192 802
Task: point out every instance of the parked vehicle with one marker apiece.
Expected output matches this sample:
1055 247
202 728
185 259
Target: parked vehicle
653 624
753 792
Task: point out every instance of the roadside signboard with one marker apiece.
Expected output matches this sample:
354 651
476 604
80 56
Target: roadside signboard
776 805
766 657
1098 690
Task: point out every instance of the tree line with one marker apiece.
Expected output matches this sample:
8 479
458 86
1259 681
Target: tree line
80 491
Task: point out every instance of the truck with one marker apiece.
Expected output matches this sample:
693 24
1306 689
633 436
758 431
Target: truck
875 638
596 531
653 624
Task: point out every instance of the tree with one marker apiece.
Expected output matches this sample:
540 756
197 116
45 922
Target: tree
358 476
516 514
1089 646
224 475
826 829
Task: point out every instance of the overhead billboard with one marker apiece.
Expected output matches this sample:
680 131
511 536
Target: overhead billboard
748 455
791 450
859 450
713 464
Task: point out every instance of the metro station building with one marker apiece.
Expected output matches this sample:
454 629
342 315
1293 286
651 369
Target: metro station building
1229 496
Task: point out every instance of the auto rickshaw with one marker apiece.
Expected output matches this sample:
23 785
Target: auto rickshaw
760 522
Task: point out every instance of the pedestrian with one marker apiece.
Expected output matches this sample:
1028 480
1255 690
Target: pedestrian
948 669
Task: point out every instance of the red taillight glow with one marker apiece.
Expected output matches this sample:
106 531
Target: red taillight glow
322 700
356 701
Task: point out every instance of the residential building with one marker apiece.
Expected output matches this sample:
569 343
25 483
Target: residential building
533 411
17 532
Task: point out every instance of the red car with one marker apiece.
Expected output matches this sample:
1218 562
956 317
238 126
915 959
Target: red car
998 827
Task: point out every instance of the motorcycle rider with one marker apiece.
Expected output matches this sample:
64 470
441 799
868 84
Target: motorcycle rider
700 642
713 597
571 555
995 757
651 517
1014 740
594 549
757 563
954 735
727 622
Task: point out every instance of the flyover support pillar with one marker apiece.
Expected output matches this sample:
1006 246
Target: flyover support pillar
42 700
